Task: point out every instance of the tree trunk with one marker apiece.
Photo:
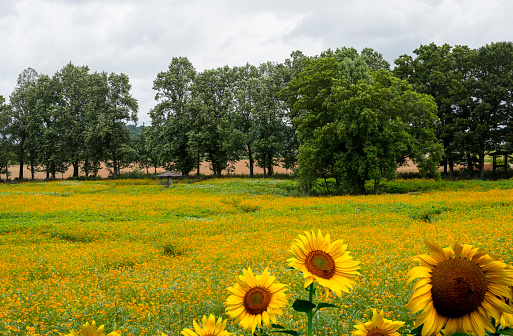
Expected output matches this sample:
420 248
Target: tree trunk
75 169
22 143
451 168
470 164
32 172
20 176
445 166
199 164
481 162
251 163
115 166
270 165
376 185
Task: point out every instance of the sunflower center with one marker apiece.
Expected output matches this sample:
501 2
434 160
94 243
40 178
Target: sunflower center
377 332
321 264
257 300
459 287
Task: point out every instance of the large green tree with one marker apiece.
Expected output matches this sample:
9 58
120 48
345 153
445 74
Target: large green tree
172 118
441 71
117 107
357 126
24 121
214 119
71 112
489 105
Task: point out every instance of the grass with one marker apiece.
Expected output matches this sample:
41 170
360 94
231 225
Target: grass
145 259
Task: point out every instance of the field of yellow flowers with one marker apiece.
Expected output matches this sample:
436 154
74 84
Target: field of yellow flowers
145 259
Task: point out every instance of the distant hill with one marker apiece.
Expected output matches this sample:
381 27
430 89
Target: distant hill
135 131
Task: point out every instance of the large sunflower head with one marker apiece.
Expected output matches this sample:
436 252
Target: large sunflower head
90 330
328 263
458 288
255 300
379 326
209 328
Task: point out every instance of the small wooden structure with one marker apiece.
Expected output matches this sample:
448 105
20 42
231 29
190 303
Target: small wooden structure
169 175
498 162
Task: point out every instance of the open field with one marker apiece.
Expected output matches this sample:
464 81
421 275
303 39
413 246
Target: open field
239 168
145 259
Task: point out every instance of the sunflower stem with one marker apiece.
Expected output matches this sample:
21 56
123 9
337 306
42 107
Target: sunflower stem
310 313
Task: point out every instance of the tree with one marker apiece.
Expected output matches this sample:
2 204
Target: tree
270 116
171 118
71 107
246 78
212 111
489 104
441 71
117 108
24 121
360 128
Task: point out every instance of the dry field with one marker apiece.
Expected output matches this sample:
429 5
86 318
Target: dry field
241 168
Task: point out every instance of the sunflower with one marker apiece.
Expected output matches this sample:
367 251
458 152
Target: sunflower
210 328
255 300
458 288
379 326
325 262
90 330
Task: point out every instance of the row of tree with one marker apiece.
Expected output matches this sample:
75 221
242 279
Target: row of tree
342 115
74 118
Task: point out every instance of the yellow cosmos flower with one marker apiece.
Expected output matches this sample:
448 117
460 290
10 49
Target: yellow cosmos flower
325 262
255 300
210 328
458 289
379 326
90 330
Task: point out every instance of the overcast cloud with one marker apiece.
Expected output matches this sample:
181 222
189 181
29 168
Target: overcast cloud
139 38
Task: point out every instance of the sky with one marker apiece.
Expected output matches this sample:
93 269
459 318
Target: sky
140 37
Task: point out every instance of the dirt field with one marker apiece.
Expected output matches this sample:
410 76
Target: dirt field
241 168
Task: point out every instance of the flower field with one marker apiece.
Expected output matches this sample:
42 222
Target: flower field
144 259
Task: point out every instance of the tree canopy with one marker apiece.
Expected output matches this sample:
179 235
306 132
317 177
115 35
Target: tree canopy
356 125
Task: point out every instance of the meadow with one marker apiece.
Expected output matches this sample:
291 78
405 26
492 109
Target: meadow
145 259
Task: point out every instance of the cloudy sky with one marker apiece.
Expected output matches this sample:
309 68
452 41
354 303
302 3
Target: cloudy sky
139 37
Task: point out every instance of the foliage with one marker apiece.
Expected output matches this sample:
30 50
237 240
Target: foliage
355 125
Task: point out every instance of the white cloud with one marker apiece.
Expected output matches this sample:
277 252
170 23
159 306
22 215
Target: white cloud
140 38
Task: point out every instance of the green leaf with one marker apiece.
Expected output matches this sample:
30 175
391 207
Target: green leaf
303 306
459 334
326 305
417 330
507 331
277 326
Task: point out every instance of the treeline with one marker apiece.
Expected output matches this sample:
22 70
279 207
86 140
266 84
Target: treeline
342 114
74 118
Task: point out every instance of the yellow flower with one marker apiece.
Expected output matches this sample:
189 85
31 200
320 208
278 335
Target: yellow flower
90 330
458 289
255 300
325 262
379 326
210 328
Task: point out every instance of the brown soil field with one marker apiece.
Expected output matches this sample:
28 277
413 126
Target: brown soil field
241 168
